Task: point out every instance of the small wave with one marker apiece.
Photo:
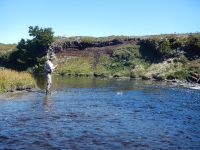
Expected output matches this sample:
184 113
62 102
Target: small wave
192 86
119 93
195 87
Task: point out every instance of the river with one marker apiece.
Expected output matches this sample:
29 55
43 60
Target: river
85 113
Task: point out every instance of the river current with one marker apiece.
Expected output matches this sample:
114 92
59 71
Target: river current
84 113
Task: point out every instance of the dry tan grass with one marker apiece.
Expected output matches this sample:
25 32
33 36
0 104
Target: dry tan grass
12 80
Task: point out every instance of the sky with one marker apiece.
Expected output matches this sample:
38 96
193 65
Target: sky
98 17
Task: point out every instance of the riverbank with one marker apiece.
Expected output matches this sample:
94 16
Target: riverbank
160 57
157 57
11 80
172 69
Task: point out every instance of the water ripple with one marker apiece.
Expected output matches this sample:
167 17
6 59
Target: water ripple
102 115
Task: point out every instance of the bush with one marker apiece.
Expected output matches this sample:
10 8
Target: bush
155 50
175 43
28 52
148 49
193 46
164 48
126 53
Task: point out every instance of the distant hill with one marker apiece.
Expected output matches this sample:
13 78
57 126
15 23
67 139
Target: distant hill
7 47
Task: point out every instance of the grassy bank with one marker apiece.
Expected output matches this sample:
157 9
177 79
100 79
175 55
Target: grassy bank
76 66
127 61
12 80
137 68
159 57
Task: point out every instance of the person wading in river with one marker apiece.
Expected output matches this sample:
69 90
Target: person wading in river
49 67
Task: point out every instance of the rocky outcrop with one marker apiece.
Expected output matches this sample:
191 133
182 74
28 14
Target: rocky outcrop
102 75
146 77
158 77
62 44
193 78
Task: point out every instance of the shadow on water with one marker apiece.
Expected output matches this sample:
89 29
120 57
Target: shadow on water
85 113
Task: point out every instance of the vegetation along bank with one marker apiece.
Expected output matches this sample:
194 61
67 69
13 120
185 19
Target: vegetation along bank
11 80
159 57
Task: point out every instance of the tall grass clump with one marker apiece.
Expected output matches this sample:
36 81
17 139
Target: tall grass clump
12 80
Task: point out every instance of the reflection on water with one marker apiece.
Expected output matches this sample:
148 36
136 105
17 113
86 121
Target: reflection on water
47 102
83 113
41 81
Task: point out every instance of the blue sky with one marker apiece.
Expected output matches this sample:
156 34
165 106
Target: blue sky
98 17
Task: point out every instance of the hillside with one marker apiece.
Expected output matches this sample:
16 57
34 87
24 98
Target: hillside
5 50
158 57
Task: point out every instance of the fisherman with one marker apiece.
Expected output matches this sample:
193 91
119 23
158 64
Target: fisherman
49 67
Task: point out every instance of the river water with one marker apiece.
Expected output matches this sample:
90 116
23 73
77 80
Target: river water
83 113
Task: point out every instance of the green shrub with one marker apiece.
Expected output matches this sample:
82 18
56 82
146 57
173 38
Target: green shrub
148 49
193 46
164 47
155 50
126 53
28 52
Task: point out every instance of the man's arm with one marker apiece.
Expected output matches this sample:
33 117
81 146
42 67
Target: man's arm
54 67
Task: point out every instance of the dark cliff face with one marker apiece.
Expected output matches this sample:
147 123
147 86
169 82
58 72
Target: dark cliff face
82 45
63 44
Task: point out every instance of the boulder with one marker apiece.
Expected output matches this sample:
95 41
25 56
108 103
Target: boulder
198 81
193 77
170 77
102 75
158 77
117 76
146 77
194 74
133 75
